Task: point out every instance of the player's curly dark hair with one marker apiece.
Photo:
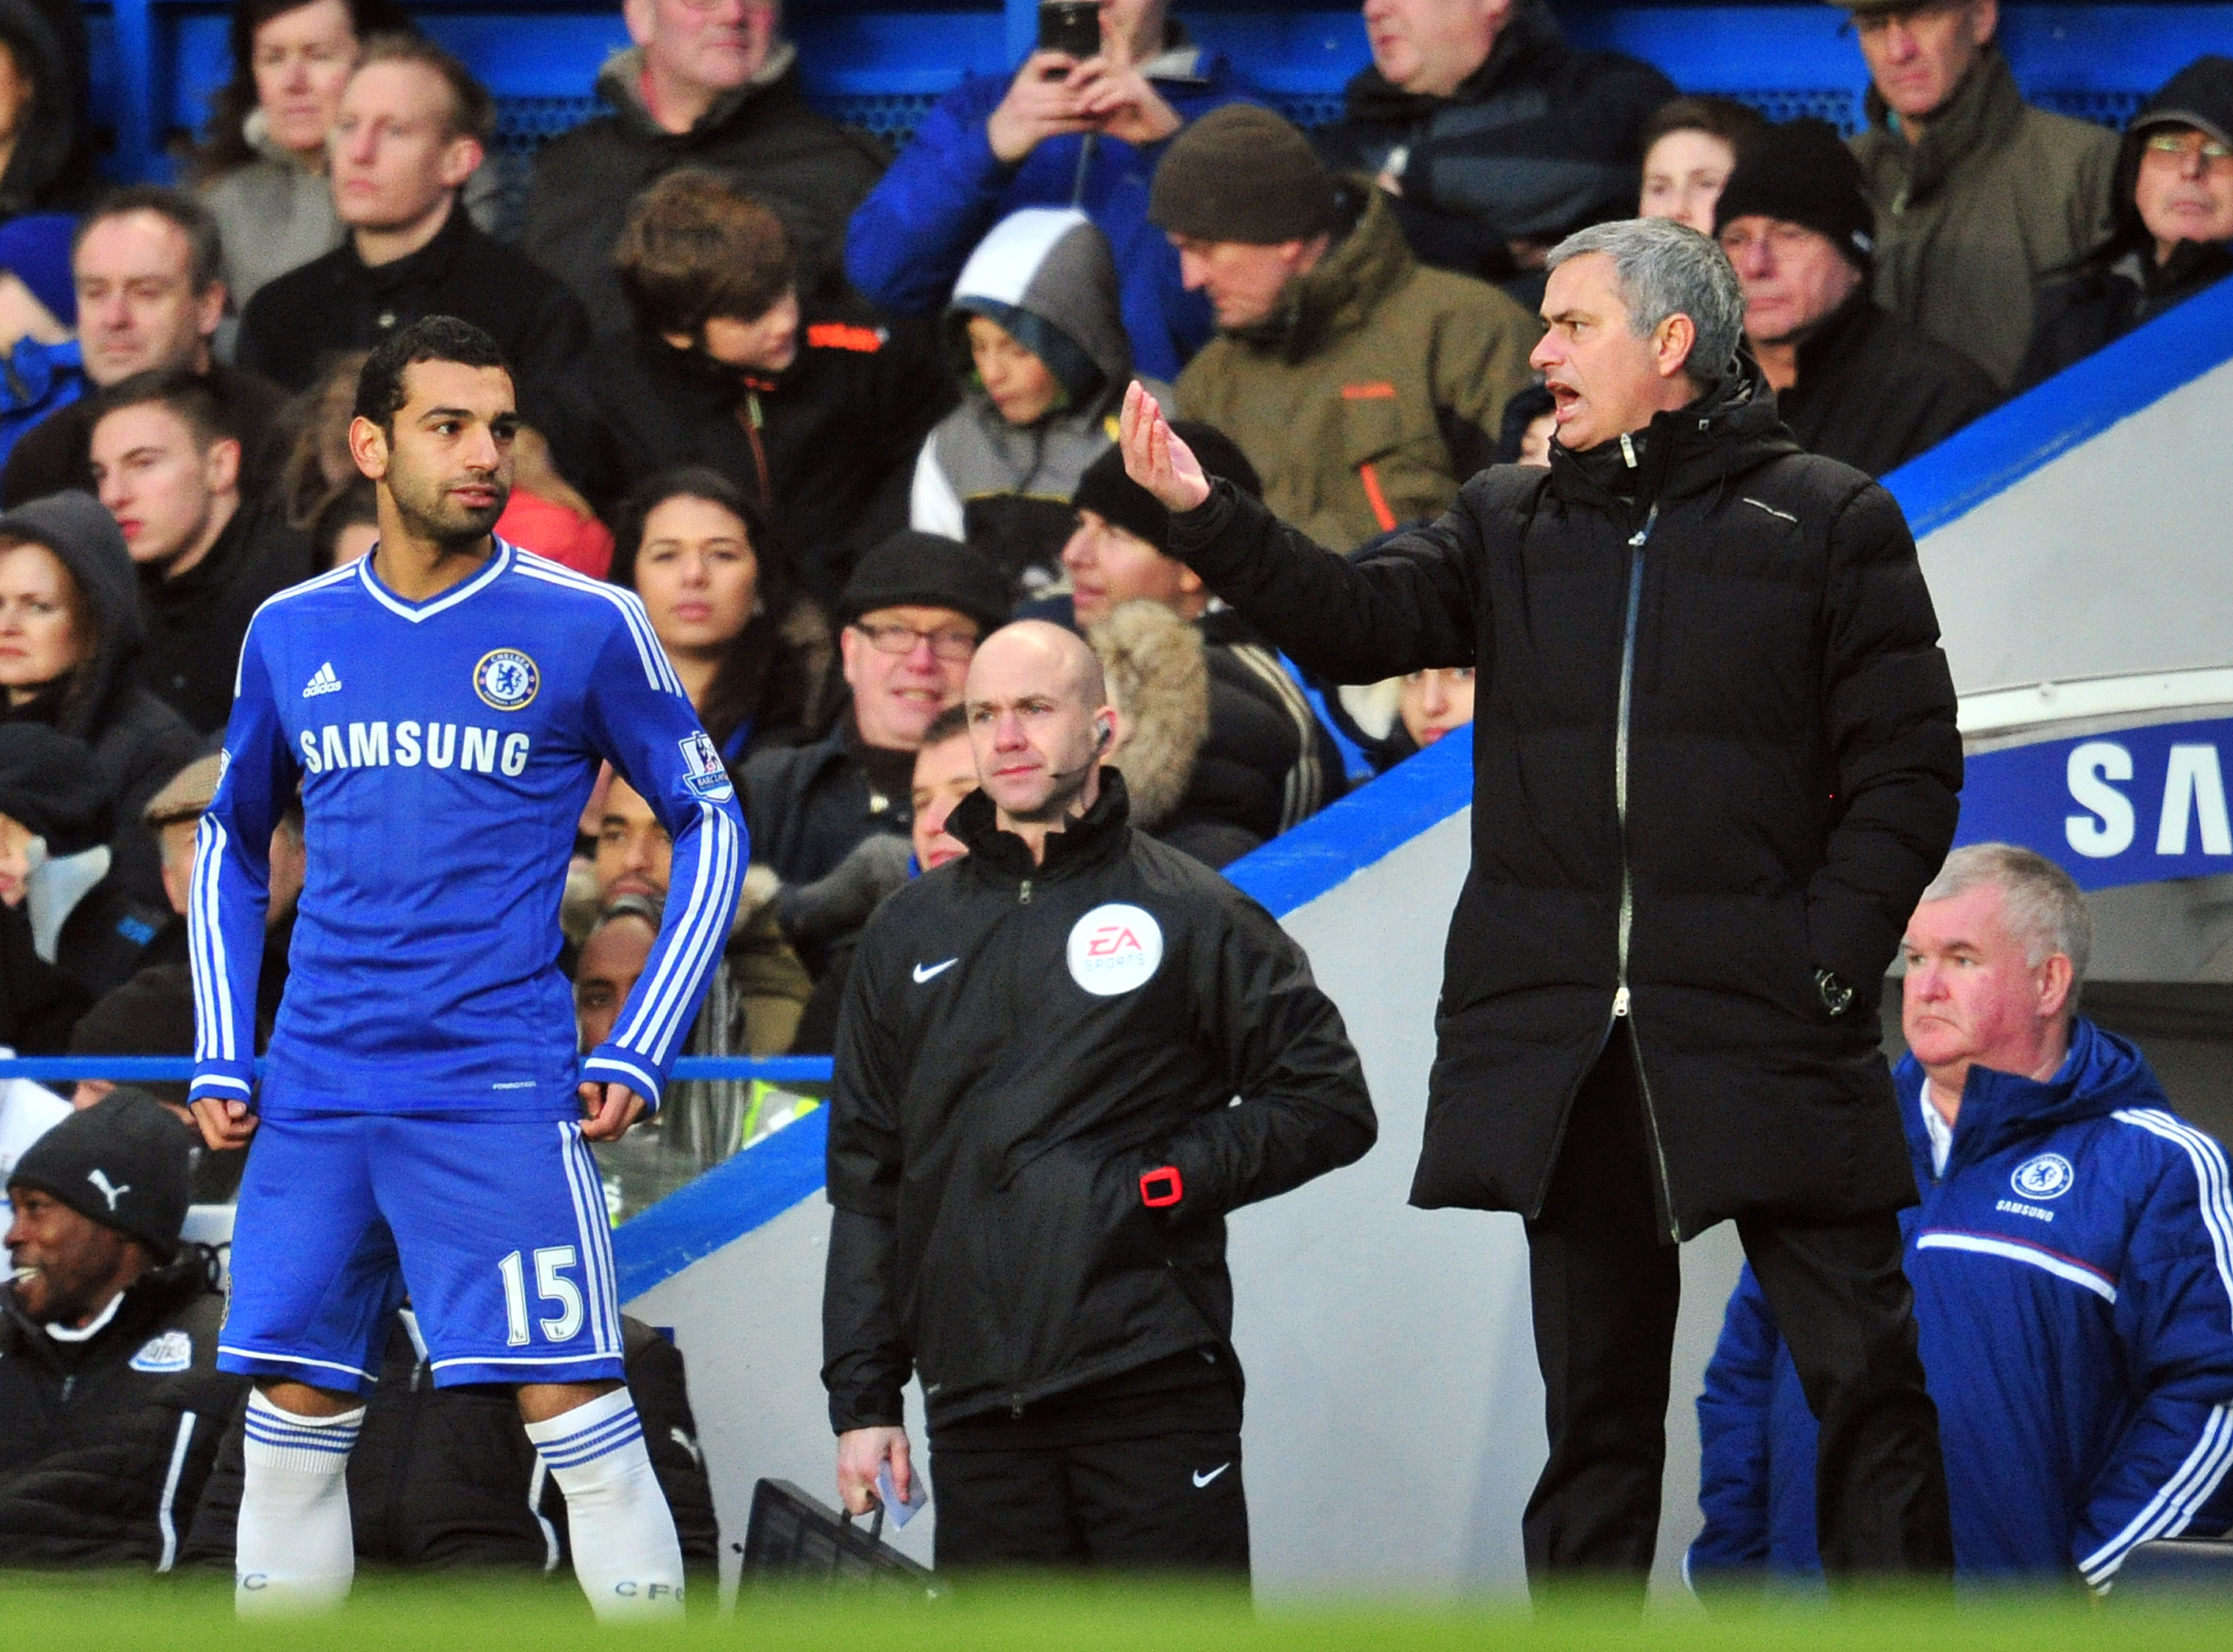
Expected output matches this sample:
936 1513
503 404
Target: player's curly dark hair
379 393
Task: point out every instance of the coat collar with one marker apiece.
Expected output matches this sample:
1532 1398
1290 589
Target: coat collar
1094 836
1730 431
429 265
1530 33
1984 113
2102 1073
1339 297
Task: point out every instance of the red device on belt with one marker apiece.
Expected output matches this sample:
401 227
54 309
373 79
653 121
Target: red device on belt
1161 1188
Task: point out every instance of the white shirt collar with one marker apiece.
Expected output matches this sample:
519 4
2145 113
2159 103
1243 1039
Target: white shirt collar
86 1333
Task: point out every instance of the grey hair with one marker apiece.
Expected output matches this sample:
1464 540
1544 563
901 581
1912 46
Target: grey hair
649 908
1661 268
2043 905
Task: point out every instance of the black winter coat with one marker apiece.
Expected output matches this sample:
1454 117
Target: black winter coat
767 140
827 447
1539 142
196 622
808 806
2106 296
105 1444
447 1477
1714 751
2119 285
993 1115
1873 392
336 303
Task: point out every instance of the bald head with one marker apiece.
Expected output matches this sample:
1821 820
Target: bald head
1055 659
1039 721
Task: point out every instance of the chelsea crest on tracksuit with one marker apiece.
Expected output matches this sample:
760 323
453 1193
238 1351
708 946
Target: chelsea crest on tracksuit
418 1107
2072 1266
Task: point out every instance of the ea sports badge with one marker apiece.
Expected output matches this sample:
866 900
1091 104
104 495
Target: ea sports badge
1114 949
166 1355
706 776
2047 1175
506 680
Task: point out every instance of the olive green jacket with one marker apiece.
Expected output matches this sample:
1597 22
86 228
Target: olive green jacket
1995 195
1376 392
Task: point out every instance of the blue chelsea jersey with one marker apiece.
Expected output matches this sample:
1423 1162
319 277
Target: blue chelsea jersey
446 751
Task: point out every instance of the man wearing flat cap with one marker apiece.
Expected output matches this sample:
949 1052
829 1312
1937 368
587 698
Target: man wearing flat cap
1978 194
1853 381
1364 386
111 1405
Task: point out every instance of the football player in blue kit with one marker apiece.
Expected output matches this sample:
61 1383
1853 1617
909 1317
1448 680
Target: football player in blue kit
421 1122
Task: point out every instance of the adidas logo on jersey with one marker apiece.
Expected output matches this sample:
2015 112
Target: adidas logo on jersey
322 681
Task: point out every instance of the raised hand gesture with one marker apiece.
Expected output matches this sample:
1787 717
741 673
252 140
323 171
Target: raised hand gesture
1156 457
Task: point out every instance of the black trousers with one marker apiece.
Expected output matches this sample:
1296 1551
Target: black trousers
1131 1476
1606 1283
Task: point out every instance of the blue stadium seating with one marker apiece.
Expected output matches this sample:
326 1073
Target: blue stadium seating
880 65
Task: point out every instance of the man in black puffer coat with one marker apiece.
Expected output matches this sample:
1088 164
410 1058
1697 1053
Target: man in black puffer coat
1716 764
111 1403
448 1478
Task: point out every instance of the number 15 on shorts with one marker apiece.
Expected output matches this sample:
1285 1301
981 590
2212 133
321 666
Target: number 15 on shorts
551 1285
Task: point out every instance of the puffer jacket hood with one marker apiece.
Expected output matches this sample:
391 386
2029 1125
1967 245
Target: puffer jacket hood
2102 1073
84 536
46 134
2200 95
1046 275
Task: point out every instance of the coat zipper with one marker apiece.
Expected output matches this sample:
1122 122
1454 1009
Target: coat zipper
1620 997
1023 893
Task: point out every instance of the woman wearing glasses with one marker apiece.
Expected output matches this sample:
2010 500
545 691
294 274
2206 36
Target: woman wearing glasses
2174 209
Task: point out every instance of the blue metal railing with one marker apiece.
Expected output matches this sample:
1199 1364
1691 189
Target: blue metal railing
124 1070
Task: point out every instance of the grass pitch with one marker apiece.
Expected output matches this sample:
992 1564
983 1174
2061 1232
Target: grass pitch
60 1614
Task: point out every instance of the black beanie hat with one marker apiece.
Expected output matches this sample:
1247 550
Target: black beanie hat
1242 173
122 1162
1116 497
913 570
50 784
151 1014
1801 173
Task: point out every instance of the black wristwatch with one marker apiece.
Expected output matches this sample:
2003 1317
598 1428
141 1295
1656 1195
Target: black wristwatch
1837 997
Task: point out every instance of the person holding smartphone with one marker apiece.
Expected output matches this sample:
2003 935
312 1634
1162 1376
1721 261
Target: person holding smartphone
1082 124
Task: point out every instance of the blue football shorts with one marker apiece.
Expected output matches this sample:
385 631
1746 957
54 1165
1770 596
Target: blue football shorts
495 1229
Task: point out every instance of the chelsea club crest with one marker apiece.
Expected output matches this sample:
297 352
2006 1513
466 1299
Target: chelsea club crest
2046 1176
506 679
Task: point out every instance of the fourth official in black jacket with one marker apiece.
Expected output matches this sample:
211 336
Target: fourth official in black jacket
1033 1143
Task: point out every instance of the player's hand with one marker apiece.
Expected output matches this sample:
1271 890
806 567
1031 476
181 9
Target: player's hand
607 1110
1121 102
225 1125
1041 104
861 1456
1156 457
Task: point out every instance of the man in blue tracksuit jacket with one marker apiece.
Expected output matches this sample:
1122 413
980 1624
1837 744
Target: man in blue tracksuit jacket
2072 1261
1090 137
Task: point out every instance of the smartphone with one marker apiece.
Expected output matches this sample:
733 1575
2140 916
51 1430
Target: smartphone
1072 26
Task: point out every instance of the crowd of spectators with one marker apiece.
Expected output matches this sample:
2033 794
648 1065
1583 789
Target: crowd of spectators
835 415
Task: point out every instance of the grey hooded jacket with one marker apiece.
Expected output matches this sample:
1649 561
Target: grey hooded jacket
1046 275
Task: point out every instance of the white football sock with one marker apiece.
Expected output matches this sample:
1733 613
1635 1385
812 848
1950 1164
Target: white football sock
295 1551
623 1534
